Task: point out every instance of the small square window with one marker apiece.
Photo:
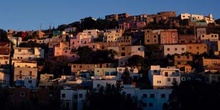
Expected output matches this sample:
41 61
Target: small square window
163 95
151 95
63 95
80 95
144 95
22 94
150 104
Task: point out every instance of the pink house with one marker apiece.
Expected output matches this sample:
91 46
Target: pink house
81 38
63 49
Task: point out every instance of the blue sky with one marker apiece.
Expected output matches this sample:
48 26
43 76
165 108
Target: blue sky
33 14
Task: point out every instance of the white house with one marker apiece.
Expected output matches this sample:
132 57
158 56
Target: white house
148 99
209 37
73 99
163 77
26 53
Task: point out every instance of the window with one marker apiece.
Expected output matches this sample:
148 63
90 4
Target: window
168 49
182 49
151 95
30 73
30 81
190 47
148 40
163 95
150 104
183 78
75 96
144 95
123 48
63 95
166 73
197 47
144 104
20 71
168 79
175 49
139 48
158 82
155 36
80 66
80 95
19 50
129 95
22 94
122 54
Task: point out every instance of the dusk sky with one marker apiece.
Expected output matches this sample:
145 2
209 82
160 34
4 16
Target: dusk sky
33 14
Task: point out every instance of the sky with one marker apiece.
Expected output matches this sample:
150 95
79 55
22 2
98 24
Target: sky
40 14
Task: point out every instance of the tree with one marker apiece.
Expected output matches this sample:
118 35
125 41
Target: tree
191 95
86 54
126 78
110 98
3 36
106 56
136 60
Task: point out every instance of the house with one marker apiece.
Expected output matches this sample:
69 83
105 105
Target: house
94 33
196 48
5 52
151 37
81 38
4 78
165 15
212 77
111 17
199 32
133 71
196 17
73 99
19 97
112 35
187 38
163 77
24 70
209 37
76 68
210 62
174 49
182 59
217 51
105 73
124 52
28 53
148 99
169 36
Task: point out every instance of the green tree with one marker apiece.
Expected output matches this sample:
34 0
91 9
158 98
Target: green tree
110 98
195 95
136 60
86 54
3 36
126 78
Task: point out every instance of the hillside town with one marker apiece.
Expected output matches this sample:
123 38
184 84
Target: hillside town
161 61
